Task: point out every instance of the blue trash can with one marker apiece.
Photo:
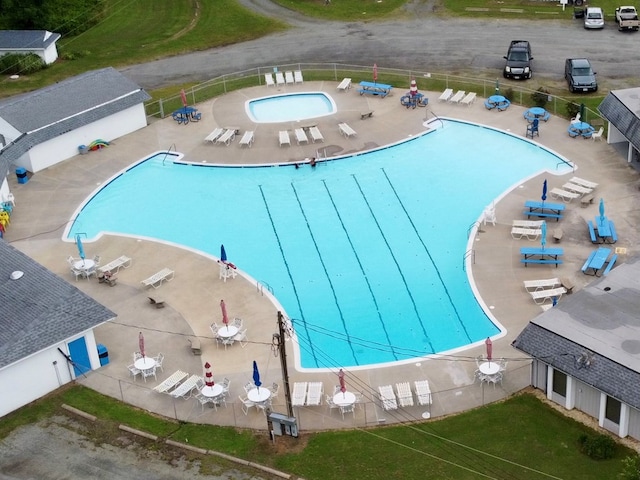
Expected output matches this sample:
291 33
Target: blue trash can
21 173
103 354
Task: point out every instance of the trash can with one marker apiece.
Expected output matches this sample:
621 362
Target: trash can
83 149
21 173
103 354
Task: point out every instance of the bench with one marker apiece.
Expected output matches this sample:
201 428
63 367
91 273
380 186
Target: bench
557 216
156 279
368 114
610 265
614 235
156 301
586 201
557 234
547 261
589 260
592 232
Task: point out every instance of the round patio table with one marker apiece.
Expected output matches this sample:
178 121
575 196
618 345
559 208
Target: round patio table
84 265
212 391
344 399
228 331
144 363
259 395
489 368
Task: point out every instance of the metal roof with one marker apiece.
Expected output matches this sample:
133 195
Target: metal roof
622 109
39 309
594 334
27 39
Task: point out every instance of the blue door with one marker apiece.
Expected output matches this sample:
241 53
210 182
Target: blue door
80 356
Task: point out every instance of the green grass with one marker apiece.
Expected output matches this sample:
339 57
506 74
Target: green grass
345 10
521 430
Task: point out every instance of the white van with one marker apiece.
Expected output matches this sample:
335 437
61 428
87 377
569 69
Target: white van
594 18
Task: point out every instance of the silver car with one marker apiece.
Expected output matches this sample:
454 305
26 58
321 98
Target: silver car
594 18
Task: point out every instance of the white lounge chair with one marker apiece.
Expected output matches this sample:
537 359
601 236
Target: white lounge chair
297 76
301 137
299 394
247 139
541 296
279 78
314 393
405 396
316 136
156 279
213 136
563 194
423 392
345 84
185 389
387 397
598 134
572 187
528 223
583 182
529 233
446 95
288 77
115 265
469 99
171 382
268 78
346 130
457 97
227 137
534 285
284 138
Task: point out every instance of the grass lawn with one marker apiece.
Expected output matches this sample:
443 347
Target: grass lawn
519 438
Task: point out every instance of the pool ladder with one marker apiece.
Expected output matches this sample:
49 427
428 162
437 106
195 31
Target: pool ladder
261 286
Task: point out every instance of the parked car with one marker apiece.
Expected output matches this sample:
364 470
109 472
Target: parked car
579 75
594 18
518 59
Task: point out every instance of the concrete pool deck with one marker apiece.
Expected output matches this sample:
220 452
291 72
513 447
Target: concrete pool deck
45 204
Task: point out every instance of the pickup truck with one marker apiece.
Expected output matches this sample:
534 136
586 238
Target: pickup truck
627 18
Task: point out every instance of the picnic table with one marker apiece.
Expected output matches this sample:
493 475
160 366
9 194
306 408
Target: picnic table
596 261
580 128
536 112
543 209
374 88
497 101
186 114
541 255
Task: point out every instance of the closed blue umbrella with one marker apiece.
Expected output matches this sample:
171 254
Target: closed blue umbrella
543 237
223 254
80 247
256 375
601 210
544 191
555 301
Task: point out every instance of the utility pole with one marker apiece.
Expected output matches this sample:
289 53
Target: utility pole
282 351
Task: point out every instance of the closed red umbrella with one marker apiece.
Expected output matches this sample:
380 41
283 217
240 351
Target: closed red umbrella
375 72
183 96
343 387
225 318
208 375
489 345
141 343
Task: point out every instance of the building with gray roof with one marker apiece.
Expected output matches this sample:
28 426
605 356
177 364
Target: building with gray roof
38 42
586 350
621 108
46 330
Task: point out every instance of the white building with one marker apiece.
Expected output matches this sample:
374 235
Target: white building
46 330
40 42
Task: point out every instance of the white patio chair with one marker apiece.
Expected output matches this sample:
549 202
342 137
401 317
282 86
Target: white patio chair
246 404
159 359
77 273
274 390
241 337
330 404
150 372
249 386
71 260
136 356
598 134
96 259
134 371
348 409
203 400
237 322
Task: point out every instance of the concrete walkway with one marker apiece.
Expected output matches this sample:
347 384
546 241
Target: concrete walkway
46 203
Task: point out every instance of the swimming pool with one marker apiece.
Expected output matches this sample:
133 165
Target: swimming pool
290 107
365 254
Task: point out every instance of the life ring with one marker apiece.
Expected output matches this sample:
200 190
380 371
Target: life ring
230 265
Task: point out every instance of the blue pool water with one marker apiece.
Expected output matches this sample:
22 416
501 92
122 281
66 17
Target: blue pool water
365 253
290 107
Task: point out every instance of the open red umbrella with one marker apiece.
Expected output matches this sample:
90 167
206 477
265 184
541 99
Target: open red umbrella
343 387
183 96
141 343
225 318
489 345
208 375
375 72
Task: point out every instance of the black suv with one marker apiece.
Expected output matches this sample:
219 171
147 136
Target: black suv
580 75
518 60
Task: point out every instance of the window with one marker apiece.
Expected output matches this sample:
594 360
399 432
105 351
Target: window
612 410
559 383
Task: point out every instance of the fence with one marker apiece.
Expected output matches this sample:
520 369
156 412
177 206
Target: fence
335 72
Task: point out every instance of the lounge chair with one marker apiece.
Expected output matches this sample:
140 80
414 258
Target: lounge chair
213 136
288 77
346 130
279 78
115 265
572 187
446 95
528 223
316 135
388 398
534 285
301 137
268 78
541 296
299 394
405 396
423 392
157 279
247 139
345 84
469 99
565 195
583 182
530 233
284 138
227 137
314 393
297 76
459 95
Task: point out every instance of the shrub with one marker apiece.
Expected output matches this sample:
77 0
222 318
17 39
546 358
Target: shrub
630 468
13 63
572 109
540 97
508 94
598 447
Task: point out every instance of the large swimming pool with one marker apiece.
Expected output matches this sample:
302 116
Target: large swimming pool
365 254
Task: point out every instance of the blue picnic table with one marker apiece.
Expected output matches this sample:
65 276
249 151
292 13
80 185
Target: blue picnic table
541 255
596 261
186 114
374 88
499 102
580 128
536 112
543 209
602 230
